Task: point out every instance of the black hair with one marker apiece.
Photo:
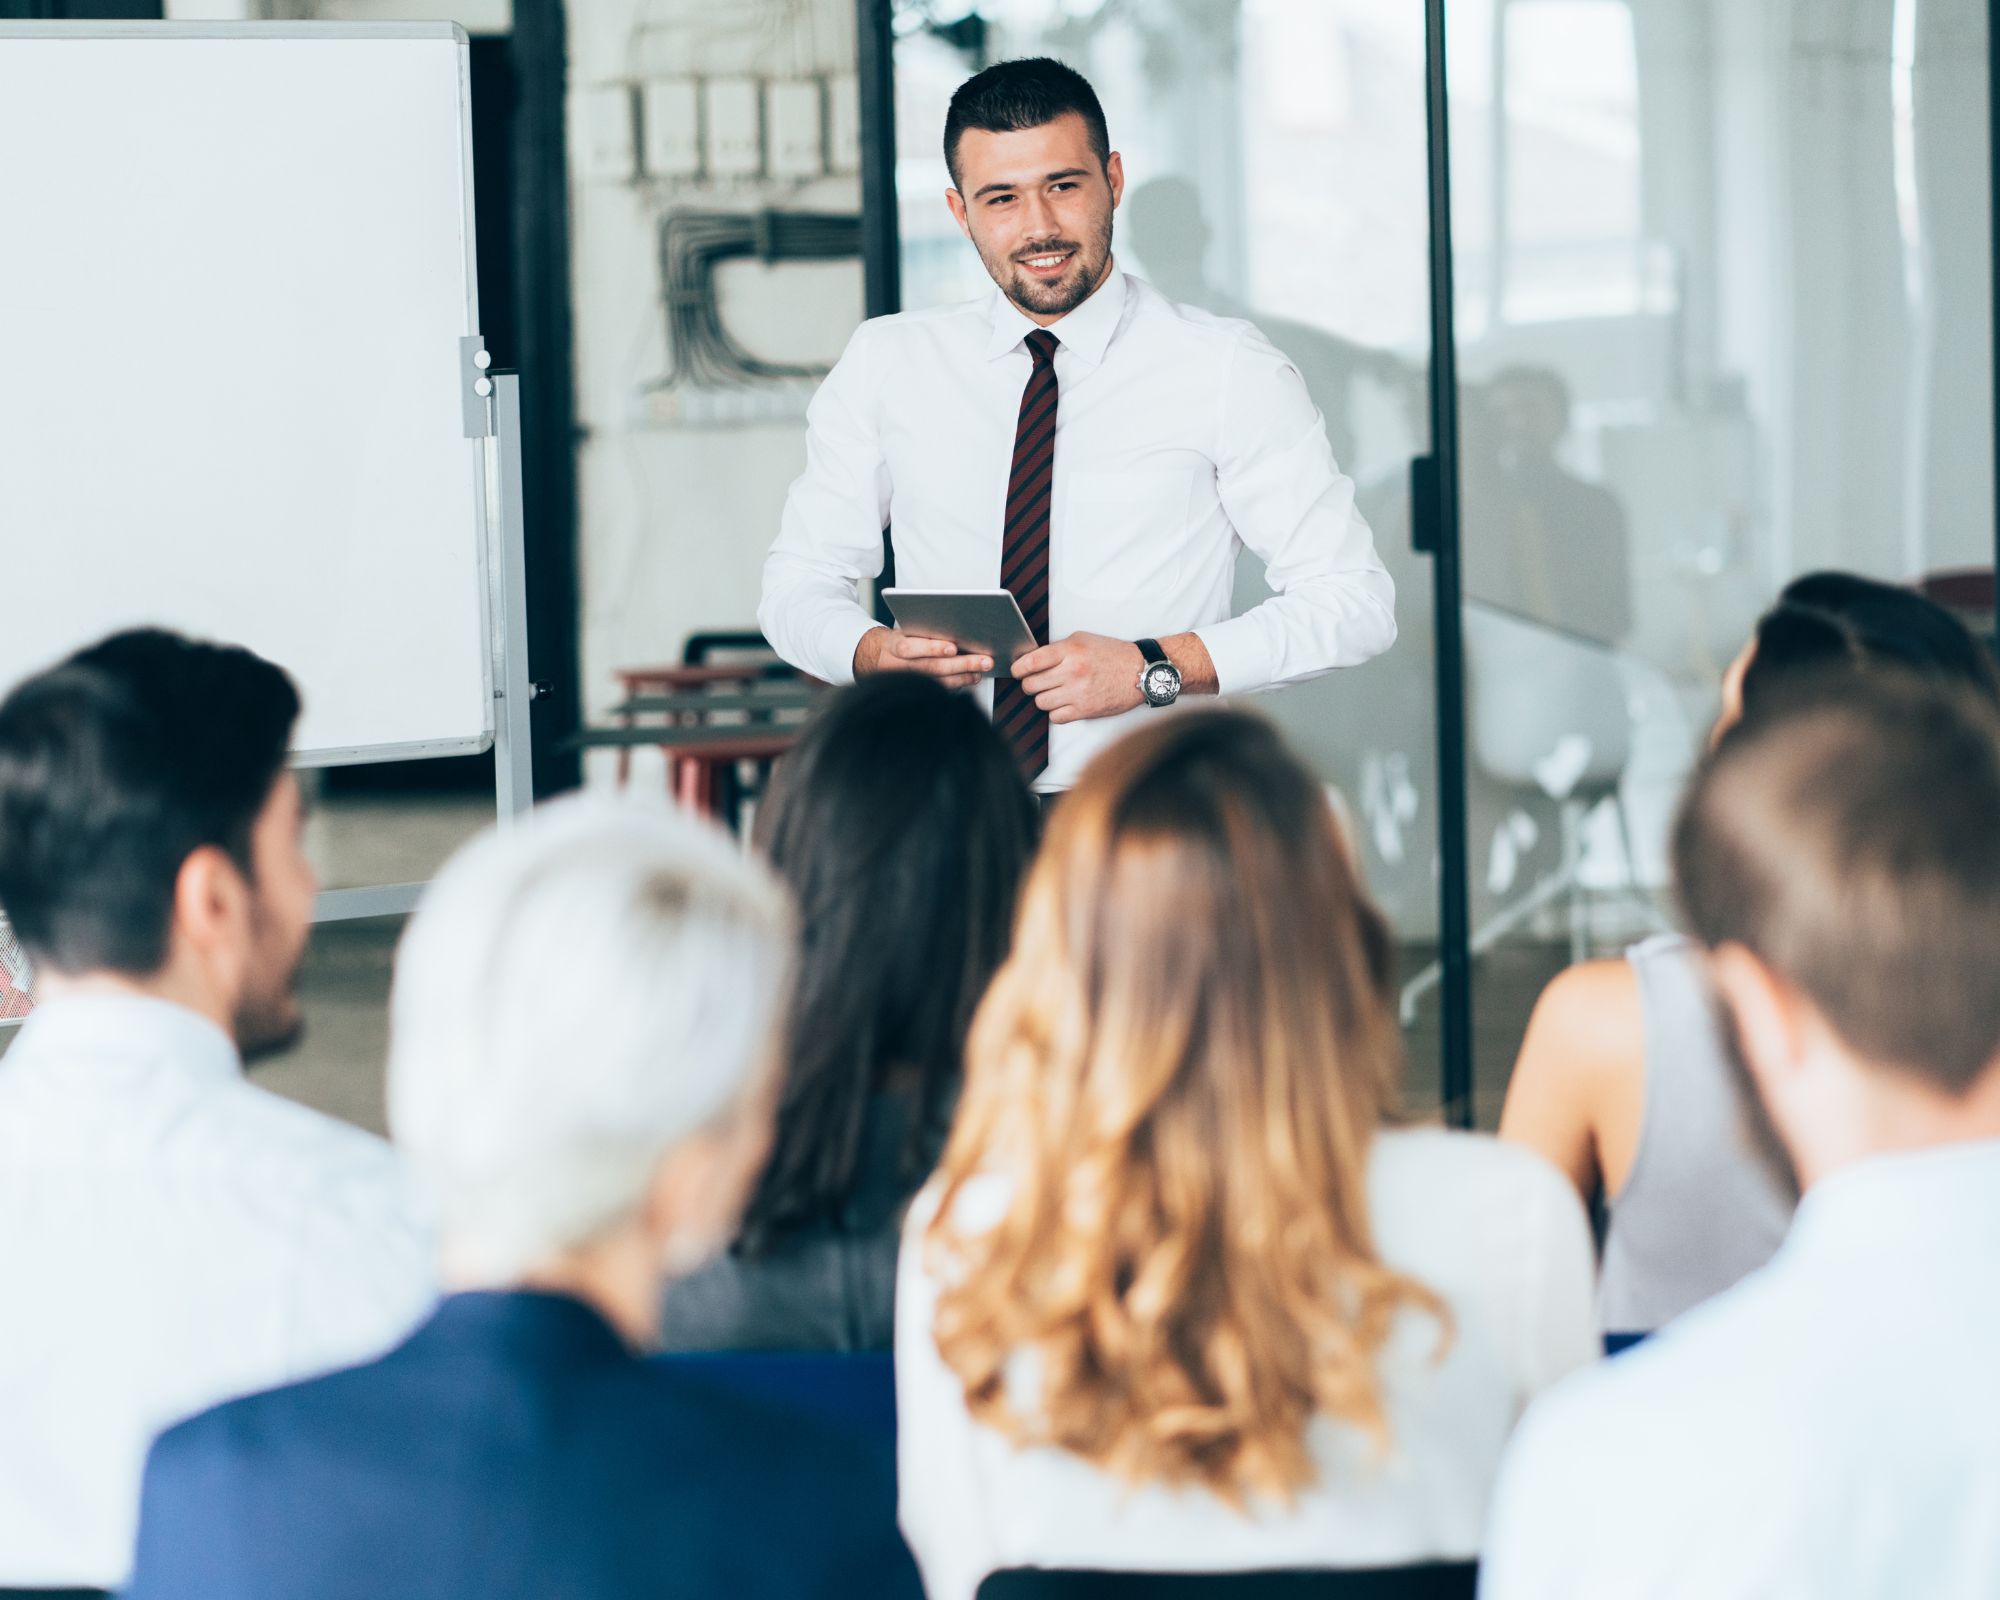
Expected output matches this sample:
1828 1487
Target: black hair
1841 620
903 828
116 765
1012 95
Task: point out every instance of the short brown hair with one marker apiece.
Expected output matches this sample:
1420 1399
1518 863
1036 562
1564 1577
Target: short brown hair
1012 95
1849 838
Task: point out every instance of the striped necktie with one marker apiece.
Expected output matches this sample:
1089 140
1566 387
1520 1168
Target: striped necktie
1024 550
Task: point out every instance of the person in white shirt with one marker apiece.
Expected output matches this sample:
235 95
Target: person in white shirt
1079 440
1829 1427
1183 1295
169 1235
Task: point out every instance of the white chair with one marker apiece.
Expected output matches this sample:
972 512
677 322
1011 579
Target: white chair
1546 712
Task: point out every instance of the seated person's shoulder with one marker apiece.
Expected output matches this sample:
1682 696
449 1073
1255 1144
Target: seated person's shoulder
1589 1015
235 1452
1413 1168
1665 1409
715 1443
1492 1227
293 1157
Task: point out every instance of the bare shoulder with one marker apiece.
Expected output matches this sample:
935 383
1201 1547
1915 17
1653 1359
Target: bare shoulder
1578 1084
1589 1018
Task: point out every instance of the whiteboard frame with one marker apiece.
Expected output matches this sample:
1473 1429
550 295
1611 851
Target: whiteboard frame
494 642
496 467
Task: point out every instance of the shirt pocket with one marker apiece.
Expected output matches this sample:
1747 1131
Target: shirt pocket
1124 533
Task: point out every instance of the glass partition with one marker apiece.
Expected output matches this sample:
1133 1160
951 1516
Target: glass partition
1274 155
1724 317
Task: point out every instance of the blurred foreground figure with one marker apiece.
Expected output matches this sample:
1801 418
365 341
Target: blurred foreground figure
1831 1426
170 1235
1183 1296
580 1068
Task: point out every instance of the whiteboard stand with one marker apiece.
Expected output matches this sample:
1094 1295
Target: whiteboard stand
493 415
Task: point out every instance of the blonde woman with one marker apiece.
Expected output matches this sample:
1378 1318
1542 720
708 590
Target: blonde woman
1182 1296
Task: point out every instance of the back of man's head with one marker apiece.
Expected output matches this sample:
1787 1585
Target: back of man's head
115 766
1848 838
575 997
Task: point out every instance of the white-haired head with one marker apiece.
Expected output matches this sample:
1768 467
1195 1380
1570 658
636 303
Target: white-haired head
574 998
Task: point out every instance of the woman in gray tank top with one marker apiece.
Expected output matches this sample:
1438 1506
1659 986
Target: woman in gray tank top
1625 1079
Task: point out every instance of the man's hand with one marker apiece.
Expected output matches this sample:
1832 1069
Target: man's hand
1083 676
889 650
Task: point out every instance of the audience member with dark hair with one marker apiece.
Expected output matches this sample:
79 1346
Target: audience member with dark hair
1831 1426
1181 1296
902 827
171 1235
579 1068
1622 1079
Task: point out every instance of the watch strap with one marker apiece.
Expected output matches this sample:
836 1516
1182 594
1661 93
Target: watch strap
1153 654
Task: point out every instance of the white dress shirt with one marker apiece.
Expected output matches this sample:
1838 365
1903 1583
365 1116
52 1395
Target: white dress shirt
1828 1428
170 1236
1492 1228
1181 438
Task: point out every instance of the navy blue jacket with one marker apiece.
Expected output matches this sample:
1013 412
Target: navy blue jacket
513 1447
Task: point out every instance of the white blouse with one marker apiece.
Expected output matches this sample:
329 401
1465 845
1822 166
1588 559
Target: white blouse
1492 1229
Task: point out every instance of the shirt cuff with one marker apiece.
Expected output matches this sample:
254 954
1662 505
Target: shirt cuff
1241 658
838 641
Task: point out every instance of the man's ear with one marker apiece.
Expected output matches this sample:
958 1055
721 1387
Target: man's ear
1771 1021
211 900
1114 174
955 204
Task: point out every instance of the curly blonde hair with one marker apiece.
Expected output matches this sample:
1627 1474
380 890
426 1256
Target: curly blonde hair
1178 1073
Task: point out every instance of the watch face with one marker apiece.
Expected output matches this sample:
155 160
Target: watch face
1163 683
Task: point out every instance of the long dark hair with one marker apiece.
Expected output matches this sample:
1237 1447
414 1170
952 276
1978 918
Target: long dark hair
903 828
1839 619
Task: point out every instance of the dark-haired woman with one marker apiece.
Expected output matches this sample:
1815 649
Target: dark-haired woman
903 828
1624 1078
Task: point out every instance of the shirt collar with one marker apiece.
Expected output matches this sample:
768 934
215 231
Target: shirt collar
534 1324
127 1026
1896 1201
1084 332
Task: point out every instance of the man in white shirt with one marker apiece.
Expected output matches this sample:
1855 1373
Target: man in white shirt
1830 1427
169 1235
1079 440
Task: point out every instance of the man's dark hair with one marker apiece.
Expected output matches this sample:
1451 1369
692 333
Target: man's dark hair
1840 619
115 766
903 828
1848 836
1011 95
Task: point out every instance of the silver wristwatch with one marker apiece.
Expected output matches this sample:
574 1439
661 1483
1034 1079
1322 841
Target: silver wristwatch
1159 678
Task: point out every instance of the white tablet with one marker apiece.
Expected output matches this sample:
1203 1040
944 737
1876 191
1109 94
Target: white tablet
985 622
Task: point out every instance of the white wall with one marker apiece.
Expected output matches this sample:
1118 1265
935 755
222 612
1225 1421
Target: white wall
676 517
475 16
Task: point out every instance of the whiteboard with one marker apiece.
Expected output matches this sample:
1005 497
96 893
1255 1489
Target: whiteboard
236 262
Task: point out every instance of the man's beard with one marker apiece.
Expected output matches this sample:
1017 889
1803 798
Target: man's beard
268 1019
1058 297
262 1034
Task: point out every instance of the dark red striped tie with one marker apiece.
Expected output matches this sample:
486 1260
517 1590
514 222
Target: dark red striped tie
1024 550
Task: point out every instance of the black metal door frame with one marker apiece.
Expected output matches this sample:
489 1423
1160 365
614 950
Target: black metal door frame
544 322
1434 530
